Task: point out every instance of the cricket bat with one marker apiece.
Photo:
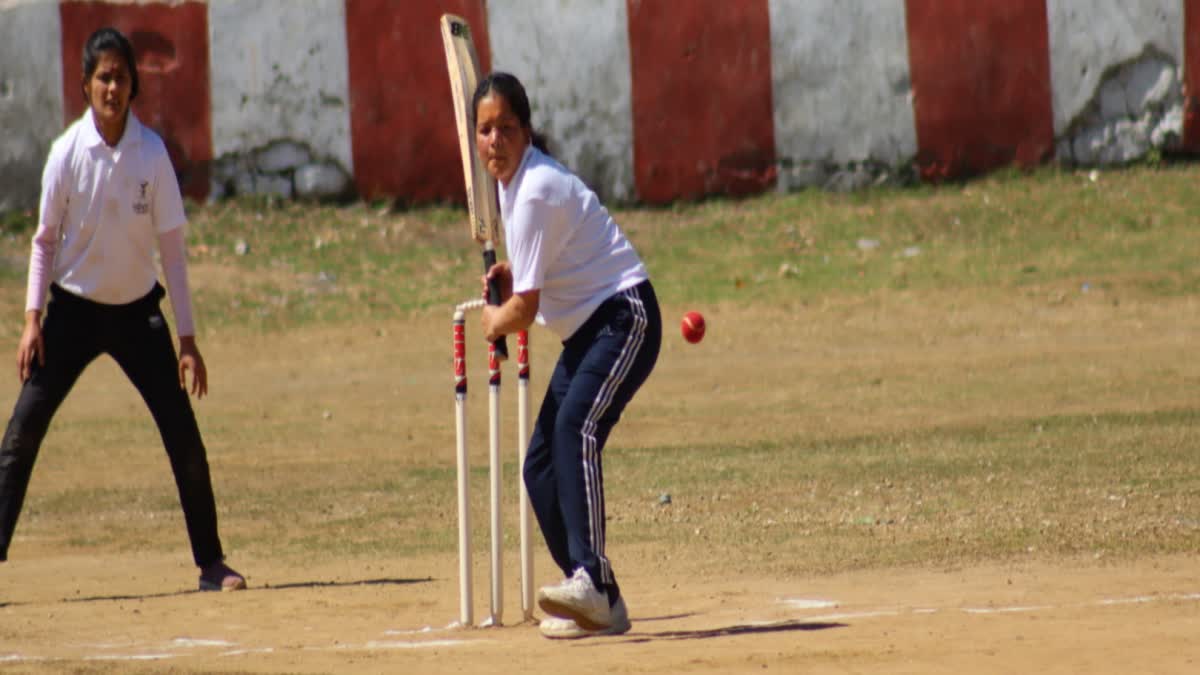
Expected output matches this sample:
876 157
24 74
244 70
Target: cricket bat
482 207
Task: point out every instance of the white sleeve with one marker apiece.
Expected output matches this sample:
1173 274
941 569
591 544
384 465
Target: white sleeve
530 242
41 262
52 210
174 261
168 203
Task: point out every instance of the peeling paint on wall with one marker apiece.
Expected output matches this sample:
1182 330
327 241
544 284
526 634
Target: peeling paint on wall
1088 40
1117 75
282 168
577 78
1136 107
288 82
31 105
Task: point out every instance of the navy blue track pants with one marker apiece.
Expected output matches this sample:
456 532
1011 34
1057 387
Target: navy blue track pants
601 367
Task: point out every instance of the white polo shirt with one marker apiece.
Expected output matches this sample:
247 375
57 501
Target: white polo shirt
562 241
106 207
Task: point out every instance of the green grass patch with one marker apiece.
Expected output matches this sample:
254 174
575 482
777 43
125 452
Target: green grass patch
270 265
985 417
1114 485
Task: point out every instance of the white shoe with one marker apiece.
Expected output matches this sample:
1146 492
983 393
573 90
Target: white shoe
578 600
566 629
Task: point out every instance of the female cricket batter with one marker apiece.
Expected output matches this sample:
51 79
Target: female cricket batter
570 267
109 195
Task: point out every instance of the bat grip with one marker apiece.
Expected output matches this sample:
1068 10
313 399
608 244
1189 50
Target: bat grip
493 287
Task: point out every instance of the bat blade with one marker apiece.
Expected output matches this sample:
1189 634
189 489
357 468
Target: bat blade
462 66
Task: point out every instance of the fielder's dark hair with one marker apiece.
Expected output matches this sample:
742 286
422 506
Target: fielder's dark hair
508 86
109 40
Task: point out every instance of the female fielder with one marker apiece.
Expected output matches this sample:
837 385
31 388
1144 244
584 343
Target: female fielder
570 268
109 195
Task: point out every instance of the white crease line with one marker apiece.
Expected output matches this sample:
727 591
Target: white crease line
768 623
802 603
1127 601
129 657
192 642
393 644
242 652
1006 610
852 615
1140 599
396 644
807 603
419 631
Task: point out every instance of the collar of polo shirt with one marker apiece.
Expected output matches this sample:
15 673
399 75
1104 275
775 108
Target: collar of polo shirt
131 136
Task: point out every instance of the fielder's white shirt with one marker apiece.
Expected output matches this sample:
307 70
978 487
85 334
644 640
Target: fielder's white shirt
106 206
563 242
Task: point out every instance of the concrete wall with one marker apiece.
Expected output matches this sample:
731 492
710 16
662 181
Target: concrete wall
1117 83
31 98
648 100
586 114
286 85
843 93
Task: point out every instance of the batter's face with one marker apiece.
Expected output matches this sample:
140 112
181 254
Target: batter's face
107 92
499 136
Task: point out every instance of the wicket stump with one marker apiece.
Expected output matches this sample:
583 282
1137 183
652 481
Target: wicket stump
466 609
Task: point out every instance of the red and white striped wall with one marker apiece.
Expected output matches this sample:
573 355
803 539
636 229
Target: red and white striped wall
650 100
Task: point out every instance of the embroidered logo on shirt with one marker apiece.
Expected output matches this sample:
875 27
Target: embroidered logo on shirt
156 321
141 205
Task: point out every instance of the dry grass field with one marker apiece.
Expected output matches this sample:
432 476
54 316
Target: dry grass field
929 431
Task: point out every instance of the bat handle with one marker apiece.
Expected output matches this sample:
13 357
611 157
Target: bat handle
489 259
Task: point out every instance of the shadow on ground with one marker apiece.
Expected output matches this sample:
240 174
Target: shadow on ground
346 584
732 631
265 587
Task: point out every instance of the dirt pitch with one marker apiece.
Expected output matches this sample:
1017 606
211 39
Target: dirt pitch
70 603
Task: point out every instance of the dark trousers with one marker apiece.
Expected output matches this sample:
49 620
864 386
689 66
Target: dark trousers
600 369
75 332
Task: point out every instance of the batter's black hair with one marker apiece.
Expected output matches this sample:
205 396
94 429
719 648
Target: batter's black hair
508 86
110 40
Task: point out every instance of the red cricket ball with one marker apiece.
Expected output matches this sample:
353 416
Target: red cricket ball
692 327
